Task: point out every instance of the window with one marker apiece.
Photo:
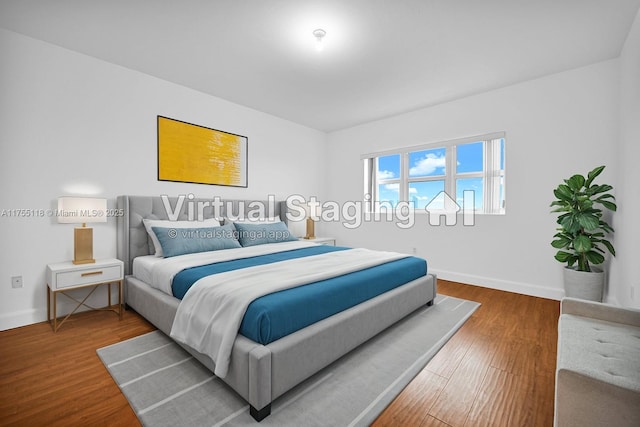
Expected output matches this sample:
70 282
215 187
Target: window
388 178
470 171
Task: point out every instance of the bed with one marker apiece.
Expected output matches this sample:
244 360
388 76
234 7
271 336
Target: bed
259 373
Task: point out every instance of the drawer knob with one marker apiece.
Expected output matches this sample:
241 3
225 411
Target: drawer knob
91 273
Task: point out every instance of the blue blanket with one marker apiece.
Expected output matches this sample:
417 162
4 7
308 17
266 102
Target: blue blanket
276 315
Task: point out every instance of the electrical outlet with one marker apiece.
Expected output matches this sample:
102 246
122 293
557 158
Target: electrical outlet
414 250
16 282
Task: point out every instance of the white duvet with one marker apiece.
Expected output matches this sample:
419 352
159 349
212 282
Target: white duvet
210 314
163 272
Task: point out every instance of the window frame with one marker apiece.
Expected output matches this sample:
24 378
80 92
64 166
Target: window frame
492 174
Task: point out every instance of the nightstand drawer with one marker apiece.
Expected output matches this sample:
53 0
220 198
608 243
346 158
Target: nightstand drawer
86 276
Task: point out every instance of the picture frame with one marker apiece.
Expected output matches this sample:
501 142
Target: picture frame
198 154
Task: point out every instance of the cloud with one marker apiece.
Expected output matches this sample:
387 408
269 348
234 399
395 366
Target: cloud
427 165
385 174
413 190
394 187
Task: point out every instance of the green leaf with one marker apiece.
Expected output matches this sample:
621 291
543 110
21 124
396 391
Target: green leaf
561 242
570 223
564 236
588 222
609 246
597 189
582 244
563 193
576 182
563 256
606 227
606 196
561 206
585 205
609 205
592 175
594 257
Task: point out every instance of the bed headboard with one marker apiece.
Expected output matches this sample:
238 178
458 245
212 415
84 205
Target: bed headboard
133 240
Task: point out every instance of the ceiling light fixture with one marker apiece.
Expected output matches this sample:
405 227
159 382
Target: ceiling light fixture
319 35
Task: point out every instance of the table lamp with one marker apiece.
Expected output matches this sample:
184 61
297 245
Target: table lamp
311 210
82 210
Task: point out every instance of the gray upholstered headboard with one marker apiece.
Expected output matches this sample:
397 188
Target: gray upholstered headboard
133 240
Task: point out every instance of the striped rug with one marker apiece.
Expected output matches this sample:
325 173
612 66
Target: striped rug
165 386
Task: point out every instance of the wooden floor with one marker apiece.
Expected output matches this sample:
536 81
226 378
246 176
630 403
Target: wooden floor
497 370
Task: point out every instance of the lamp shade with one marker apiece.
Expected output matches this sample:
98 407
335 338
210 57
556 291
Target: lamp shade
80 210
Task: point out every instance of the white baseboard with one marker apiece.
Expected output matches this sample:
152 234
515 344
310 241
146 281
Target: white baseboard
502 285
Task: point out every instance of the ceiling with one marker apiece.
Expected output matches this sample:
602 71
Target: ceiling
381 57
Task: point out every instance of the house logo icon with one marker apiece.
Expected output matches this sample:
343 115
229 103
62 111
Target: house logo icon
443 205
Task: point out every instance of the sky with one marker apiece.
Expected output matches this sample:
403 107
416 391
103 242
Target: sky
431 163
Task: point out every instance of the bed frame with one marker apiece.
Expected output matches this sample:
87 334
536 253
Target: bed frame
261 373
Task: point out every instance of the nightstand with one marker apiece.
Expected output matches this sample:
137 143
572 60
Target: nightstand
323 240
66 276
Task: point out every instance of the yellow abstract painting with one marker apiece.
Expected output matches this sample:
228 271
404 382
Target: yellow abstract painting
197 154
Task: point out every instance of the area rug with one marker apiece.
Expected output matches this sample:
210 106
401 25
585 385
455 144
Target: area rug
165 386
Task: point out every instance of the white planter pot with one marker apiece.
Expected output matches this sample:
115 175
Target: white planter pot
583 284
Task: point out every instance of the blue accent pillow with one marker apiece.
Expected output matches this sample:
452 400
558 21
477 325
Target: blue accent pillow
260 234
180 241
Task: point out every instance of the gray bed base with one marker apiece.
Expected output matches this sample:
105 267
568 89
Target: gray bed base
261 373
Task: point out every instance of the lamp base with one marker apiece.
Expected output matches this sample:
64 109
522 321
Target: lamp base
83 245
310 229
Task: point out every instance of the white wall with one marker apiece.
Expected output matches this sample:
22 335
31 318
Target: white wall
74 124
556 126
625 280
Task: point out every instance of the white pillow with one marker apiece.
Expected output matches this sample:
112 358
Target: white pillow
150 223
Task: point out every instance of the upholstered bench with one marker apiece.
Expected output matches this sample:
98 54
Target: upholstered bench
598 365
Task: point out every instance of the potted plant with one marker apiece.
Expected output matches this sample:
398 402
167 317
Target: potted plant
581 235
